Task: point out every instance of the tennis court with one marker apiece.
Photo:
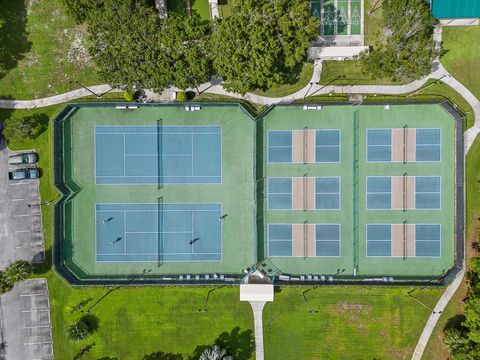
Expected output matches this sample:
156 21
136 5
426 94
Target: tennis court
403 240
404 145
158 154
340 17
304 146
304 193
304 240
383 175
158 232
403 192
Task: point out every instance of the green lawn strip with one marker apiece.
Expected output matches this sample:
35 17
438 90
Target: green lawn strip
462 55
438 91
298 82
226 7
348 72
52 56
452 315
352 322
373 22
135 321
179 7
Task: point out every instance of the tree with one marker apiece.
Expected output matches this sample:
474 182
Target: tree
260 44
409 51
135 49
215 353
28 127
5 284
78 330
18 271
80 10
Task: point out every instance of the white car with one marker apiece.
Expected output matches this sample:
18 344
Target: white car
26 158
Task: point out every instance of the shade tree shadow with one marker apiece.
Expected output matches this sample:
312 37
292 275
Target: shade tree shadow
160 355
455 322
239 344
14 41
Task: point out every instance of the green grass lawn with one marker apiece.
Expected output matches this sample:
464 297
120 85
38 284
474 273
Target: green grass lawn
201 7
226 7
298 82
373 22
462 57
46 50
352 322
348 72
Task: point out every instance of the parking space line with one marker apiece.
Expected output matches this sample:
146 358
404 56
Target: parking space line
37 343
34 294
29 311
35 327
22 231
18 199
21 215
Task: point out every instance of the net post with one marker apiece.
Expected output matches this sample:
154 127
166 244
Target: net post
405 134
305 192
404 239
305 145
404 192
305 239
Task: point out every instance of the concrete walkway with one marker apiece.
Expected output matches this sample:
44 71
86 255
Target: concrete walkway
257 307
436 314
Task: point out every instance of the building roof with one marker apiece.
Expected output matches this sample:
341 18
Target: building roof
455 9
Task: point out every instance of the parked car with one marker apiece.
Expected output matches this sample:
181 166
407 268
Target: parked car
23 174
26 158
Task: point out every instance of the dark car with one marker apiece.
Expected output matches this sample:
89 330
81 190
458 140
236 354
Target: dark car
26 158
23 174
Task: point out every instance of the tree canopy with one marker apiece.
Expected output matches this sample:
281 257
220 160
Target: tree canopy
262 42
135 49
408 52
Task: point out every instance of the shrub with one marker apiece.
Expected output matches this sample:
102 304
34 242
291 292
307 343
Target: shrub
18 271
128 96
5 284
78 330
181 96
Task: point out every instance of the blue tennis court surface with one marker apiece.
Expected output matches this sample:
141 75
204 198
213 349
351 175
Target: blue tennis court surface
158 154
153 232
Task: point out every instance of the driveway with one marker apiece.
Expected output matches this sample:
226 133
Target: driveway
25 322
21 231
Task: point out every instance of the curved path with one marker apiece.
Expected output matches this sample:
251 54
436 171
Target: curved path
214 86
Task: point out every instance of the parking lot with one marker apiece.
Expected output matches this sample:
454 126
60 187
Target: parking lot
21 232
25 320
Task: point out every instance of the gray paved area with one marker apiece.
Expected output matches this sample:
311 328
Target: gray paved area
25 321
21 233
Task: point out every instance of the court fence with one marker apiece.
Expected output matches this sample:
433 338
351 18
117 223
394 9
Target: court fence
67 186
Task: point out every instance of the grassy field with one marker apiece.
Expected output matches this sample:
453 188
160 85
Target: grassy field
373 22
348 72
201 7
46 50
351 323
298 82
453 312
462 55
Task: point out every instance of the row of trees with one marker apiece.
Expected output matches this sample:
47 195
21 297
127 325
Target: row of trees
408 51
258 46
463 341
15 272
